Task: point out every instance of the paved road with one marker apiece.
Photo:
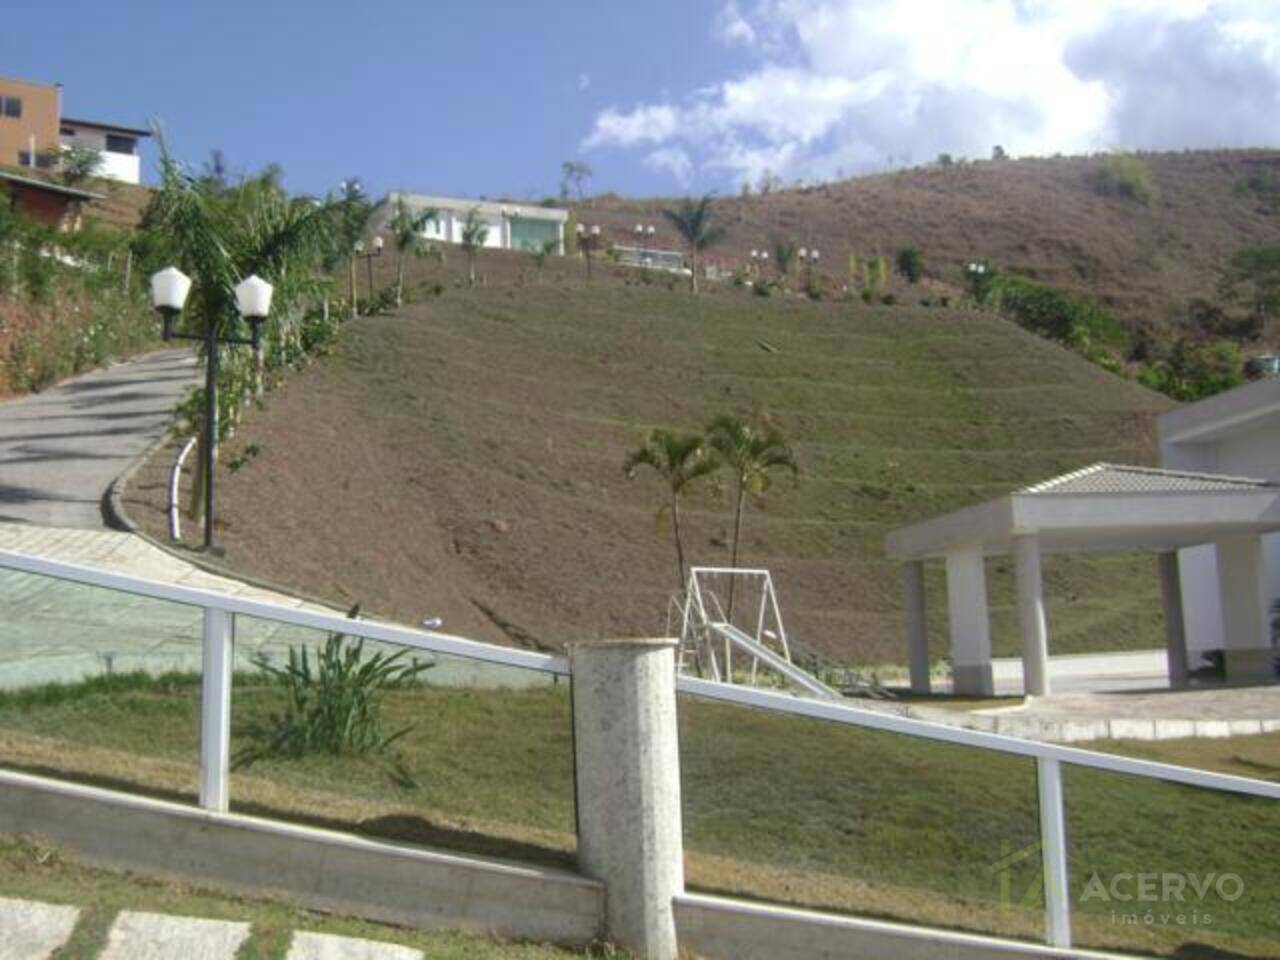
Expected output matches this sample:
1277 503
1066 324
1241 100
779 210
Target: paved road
60 449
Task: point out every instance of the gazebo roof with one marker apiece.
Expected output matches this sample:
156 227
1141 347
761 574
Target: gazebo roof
1105 506
1122 478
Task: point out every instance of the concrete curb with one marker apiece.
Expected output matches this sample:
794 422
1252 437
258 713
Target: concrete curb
117 518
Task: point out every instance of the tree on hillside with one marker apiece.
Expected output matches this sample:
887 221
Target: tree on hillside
474 234
784 255
219 237
575 172
78 164
752 451
354 211
693 220
680 459
406 226
1254 276
911 264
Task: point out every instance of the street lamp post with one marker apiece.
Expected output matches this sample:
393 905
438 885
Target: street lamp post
644 233
169 289
588 240
368 260
977 273
809 258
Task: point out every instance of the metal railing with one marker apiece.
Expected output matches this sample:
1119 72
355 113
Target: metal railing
1049 758
219 613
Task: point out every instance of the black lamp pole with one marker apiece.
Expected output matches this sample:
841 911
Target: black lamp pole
211 342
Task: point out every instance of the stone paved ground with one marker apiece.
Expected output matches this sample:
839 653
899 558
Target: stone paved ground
34 931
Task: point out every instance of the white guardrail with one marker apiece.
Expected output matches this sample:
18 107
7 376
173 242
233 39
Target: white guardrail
220 609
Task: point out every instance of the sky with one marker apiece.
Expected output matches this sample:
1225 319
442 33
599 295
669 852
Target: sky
662 97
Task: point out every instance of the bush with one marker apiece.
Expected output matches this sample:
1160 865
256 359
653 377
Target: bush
1124 175
335 708
911 263
1056 315
1196 369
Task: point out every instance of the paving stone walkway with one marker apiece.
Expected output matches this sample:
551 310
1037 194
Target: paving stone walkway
30 930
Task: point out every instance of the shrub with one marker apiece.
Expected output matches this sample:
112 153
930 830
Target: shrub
911 263
1124 175
1056 315
1196 369
335 707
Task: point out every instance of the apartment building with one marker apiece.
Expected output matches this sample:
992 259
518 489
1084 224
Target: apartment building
32 126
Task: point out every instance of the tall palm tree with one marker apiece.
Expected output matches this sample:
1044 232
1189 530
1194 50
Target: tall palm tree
474 233
406 226
680 459
693 220
752 451
784 255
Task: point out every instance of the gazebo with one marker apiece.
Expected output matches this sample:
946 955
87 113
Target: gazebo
1101 507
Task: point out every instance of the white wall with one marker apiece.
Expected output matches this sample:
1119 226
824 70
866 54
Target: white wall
1253 452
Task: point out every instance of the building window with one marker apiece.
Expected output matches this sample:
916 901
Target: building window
119 144
12 106
68 131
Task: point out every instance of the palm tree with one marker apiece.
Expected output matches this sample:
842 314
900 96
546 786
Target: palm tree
679 459
693 220
751 451
406 226
784 255
355 211
474 233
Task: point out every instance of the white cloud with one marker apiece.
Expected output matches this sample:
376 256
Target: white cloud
732 27
674 161
862 84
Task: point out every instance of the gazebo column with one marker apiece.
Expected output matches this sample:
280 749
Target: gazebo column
1246 627
1032 624
917 628
1175 631
969 619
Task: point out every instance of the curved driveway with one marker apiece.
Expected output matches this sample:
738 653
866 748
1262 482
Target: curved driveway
61 448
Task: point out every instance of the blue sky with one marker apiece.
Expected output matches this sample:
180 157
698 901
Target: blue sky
660 97
452 98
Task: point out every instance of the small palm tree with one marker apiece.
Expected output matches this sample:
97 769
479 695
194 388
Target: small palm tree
751 451
406 226
784 255
693 221
679 459
474 234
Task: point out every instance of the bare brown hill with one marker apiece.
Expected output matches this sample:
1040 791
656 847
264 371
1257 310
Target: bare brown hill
1045 219
464 457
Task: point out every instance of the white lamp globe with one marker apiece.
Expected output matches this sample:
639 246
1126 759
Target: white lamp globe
595 231
813 254
169 289
253 298
377 244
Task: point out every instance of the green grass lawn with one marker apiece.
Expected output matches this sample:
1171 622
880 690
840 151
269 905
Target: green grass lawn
35 871
776 808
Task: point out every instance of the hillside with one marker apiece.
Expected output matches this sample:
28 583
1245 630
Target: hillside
1041 218
462 459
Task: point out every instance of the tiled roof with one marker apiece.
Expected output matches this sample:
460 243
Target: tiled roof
1121 478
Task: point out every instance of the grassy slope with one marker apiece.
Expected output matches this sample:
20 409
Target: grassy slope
1039 218
776 808
464 456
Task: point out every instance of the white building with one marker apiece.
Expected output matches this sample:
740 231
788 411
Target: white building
512 226
1236 433
117 145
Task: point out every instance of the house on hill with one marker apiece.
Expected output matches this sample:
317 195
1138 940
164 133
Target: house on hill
51 204
33 129
512 226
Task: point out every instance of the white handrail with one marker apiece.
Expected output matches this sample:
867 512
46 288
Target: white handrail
911 726
328 622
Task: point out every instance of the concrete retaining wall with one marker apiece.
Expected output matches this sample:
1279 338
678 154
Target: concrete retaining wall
724 929
314 868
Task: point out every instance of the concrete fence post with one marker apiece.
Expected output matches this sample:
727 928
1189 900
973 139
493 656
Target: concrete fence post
628 785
